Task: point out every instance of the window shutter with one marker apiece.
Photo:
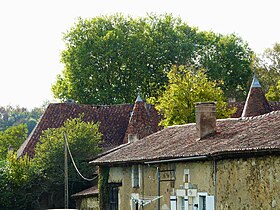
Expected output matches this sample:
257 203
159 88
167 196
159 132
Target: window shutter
210 203
173 203
186 202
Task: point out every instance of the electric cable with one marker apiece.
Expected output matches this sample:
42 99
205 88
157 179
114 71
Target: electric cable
72 159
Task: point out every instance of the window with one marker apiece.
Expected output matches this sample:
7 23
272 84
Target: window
205 202
114 198
135 176
202 202
182 203
186 178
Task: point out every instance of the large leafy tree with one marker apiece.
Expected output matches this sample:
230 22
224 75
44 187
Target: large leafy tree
274 92
227 59
110 59
185 88
268 70
12 138
12 116
84 142
24 182
20 183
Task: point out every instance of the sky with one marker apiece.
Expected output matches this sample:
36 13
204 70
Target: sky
32 31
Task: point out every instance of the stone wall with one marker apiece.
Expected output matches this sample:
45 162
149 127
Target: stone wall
241 184
90 203
251 183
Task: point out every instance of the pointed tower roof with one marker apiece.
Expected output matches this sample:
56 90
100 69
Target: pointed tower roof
142 121
255 82
138 99
256 102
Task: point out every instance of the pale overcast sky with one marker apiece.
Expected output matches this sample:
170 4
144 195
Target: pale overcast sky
32 30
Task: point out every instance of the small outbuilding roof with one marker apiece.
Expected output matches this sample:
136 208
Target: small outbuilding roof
90 192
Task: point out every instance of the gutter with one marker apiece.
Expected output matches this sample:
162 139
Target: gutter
177 159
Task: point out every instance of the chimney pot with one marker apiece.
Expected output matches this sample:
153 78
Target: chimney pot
132 138
205 113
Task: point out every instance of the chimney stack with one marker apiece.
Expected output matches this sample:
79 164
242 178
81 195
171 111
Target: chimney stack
205 113
132 138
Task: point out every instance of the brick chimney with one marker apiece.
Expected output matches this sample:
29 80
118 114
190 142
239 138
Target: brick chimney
133 137
205 113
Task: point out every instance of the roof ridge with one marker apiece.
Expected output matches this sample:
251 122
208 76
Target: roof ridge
92 105
187 124
259 116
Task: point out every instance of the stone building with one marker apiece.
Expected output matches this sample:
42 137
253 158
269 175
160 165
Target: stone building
118 123
211 164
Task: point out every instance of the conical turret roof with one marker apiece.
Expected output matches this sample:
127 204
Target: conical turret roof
142 120
256 102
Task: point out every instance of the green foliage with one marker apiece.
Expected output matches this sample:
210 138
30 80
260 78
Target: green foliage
274 93
24 181
12 116
185 88
109 59
13 137
227 59
103 177
268 70
20 184
84 140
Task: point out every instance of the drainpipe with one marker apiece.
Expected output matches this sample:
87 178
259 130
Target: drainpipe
215 183
158 187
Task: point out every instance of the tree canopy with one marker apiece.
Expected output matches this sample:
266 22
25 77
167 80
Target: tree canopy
20 184
12 138
185 88
12 116
109 59
84 141
25 182
268 70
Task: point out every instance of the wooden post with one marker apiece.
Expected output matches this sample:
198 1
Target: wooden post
66 190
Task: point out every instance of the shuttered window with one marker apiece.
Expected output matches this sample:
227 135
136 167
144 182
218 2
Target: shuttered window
135 176
114 198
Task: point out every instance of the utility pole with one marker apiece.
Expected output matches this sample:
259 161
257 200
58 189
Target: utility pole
66 205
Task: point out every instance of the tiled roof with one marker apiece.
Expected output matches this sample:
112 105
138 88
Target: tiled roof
114 121
250 134
256 103
274 106
92 191
142 121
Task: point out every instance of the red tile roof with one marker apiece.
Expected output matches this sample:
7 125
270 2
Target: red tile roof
142 121
242 135
256 103
274 106
114 121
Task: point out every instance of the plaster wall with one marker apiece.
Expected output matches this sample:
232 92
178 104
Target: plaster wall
89 203
251 183
241 184
200 174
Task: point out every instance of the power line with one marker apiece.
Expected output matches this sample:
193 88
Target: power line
72 159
